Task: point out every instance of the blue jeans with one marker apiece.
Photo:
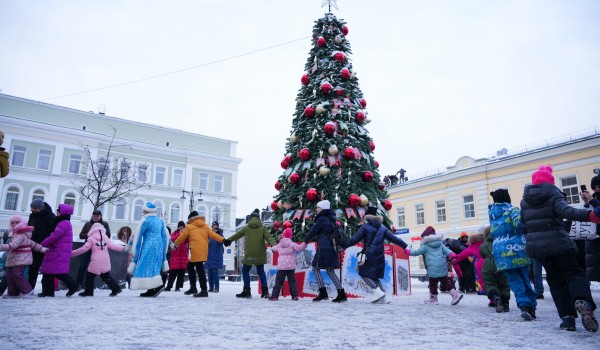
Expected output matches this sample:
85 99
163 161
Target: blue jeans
213 278
260 269
519 284
538 281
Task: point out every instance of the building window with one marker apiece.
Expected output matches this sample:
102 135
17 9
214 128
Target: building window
203 185
124 168
18 155
75 163
401 217
120 209
420 214
571 189
177 180
43 162
174 215
159 175
103 167
70 199
440 211
159 209
38 194
11 199
217 215
219 183
137 210
143 172
469 206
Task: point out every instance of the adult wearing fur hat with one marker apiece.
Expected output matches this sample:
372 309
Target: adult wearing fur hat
255 252
18 258
325 257
149 248
57 259
543 209
373 234
435 254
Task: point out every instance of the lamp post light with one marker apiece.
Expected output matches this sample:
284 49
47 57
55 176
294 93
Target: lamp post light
191 194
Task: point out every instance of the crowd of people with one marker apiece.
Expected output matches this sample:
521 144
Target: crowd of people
507 255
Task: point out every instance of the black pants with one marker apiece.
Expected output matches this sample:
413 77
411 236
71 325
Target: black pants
567 282
84 263
34 268
197 267
48 282
179 274
90 278
280 278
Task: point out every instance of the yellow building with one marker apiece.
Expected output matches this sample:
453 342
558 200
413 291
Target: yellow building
457 198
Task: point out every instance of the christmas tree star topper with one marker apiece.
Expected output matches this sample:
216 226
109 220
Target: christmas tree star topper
330 3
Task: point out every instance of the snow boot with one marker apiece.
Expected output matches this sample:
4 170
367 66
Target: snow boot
73 290
433 300
265 292
527 313
245 293
587 315
115 293
203 294
191 291
341 297
568 324
456 296
273 298
86 294
498 304
378 294
322 294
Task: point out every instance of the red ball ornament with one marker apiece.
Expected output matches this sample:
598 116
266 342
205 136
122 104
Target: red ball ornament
363 103
349 153
311 194
284 164
340 57
372 144
354 200
360 117
278 186
326 88
376 164
329 128
305 79
387 205
345 30
276 225
381 185
309 111
274 206
287 224
367 176
305 154
346 74
321 41
339 91
294 178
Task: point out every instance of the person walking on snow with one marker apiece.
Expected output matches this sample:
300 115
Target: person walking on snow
179 260
286 264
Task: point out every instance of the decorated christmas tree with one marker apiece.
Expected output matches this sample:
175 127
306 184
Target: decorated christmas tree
329 154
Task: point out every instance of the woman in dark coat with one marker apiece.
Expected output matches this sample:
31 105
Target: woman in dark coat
325 257
543 209
374 234
592 247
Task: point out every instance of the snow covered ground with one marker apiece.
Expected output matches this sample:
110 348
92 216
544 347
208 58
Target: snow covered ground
221 321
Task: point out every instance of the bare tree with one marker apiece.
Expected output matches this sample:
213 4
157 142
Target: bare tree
102 184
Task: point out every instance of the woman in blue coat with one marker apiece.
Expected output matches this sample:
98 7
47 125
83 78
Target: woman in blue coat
326 257
374 234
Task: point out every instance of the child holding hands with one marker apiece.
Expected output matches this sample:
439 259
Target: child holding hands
286 264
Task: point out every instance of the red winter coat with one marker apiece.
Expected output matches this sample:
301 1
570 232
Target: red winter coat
99 243
180 255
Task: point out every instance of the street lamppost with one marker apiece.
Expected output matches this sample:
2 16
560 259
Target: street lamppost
191 194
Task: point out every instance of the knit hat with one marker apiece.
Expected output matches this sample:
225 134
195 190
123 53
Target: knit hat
215 223
371 211
324 204
192 214
428 231
97 212
180 223
255 213
37 204
500 195
463 234
22 228
595 181
287 233
543 174
149 207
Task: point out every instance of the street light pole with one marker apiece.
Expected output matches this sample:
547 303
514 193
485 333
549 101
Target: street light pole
191 194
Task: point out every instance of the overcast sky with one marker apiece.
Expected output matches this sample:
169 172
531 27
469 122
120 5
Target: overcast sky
442 79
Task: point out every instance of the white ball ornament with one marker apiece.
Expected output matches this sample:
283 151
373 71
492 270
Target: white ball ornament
363 200
333 150
280 204
324 171
338 39
293 138
320 109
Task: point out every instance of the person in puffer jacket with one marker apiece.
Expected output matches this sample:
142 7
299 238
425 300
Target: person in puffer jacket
509 251
178 260
286 264
18 258
472 251
543 209
99 243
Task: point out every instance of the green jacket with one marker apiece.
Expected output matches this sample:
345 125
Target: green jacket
255 252
3 163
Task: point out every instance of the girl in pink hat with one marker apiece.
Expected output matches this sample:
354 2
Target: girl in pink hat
286 264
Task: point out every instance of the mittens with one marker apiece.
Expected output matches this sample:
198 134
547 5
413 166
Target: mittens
407 251
226 242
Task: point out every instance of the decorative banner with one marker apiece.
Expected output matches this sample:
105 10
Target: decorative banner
306 165
332 161
361 212
307 214
347 102
288 214
314 68
298 214
320 161
350 213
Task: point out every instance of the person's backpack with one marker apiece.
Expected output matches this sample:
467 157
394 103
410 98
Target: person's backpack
337 238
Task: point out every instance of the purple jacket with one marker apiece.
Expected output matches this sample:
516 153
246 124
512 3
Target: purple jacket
58 257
